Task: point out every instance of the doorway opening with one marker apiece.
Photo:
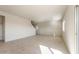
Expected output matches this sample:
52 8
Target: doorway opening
2 28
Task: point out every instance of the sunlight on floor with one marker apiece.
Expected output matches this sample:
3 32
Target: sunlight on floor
46 50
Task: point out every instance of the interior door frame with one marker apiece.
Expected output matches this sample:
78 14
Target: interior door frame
3 28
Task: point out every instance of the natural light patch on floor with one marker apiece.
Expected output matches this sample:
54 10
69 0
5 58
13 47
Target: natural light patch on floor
46 50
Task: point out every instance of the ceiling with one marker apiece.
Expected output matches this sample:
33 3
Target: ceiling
36 13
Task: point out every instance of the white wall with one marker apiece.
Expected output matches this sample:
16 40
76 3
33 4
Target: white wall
17 27
69 32
77 27
0 28
52 27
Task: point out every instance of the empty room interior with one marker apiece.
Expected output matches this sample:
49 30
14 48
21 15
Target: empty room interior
37 29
